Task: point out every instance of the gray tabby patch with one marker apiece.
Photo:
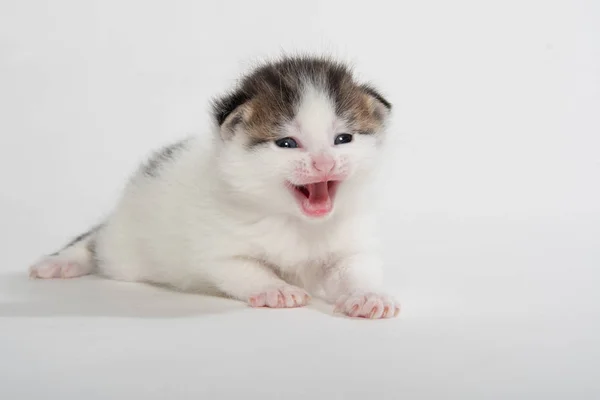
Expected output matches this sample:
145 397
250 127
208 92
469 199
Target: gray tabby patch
163 156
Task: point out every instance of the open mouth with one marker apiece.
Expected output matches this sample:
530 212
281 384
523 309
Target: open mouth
315 199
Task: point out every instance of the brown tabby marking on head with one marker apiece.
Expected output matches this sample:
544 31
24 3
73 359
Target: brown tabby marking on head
269 96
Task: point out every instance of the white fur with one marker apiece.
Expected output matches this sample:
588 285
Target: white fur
219 216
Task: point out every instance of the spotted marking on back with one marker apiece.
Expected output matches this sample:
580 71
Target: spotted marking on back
163 156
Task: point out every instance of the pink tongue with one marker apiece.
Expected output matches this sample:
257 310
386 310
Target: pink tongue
318 193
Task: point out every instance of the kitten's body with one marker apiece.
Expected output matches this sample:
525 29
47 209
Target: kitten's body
218 213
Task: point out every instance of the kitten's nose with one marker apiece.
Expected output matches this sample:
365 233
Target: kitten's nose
323 163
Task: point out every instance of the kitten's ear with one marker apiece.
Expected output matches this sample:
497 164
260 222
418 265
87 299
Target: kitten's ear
229 112
378 105
232 122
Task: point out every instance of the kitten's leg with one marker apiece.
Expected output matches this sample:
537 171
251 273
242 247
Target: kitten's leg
354 284
60 266
250 281
76 259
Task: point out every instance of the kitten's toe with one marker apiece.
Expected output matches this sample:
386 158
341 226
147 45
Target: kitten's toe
368 305
281 297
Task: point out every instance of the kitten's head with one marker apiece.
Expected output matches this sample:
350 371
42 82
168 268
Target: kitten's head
300 136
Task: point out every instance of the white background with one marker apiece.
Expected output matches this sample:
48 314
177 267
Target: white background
490 199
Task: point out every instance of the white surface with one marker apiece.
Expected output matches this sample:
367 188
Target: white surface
491 201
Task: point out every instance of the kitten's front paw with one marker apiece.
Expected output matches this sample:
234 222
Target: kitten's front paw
281 297
368 305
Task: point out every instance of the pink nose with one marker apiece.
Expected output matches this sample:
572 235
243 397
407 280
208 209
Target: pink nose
323 163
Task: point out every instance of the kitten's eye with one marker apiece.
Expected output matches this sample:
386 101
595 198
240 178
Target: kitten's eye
343 138
287 143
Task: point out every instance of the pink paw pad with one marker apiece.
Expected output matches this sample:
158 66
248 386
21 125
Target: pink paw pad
55 267
368 305
283 297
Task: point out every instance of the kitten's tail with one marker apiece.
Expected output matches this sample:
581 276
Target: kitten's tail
77 258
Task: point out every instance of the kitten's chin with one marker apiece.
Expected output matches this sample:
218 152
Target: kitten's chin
315 199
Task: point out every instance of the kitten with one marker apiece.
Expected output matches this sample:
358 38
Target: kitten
269 209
